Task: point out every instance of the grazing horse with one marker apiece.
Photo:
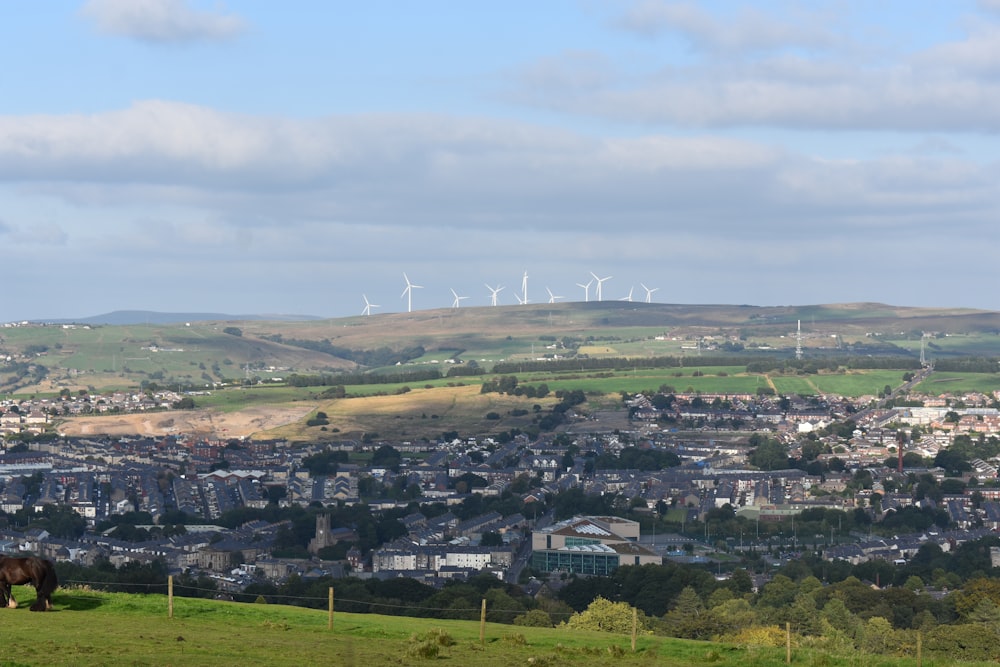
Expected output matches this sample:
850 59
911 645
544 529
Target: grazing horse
39 572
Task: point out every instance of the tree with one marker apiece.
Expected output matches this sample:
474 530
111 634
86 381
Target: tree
770 455
877 635
804 616
387 456
536 618
491 539
974 593
688 618
607 616
779 593
838 616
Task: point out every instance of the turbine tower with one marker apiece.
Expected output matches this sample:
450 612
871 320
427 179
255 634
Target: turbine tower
600 283
493 294
586 289
408 293
553 297
798 339
368 306
524 289
457 302
649 292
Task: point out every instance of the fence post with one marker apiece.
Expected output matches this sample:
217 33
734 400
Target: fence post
170 596
788 643
482 625
329 621
635 625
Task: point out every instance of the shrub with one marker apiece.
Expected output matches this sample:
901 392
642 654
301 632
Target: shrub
968 641
429 645
536 618
607 616
761 635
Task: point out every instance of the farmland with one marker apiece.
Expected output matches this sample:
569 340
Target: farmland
242 366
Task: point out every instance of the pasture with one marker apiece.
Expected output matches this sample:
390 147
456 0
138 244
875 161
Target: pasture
951 382
420 413
96 628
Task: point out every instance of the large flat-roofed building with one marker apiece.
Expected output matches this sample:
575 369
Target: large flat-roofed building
589 545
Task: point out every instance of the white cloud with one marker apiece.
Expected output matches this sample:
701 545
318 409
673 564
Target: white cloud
749 69
164 174
749 30
161 20
977 54
791 92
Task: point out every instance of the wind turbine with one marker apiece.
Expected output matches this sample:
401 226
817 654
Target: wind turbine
586 289
493 296
524 289
408 293
628 297
520 301
649 292
456 303
553 297
368 306
600 283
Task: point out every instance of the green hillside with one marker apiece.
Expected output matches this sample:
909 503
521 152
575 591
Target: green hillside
94 628
50 358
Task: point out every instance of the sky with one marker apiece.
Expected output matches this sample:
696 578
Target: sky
256 157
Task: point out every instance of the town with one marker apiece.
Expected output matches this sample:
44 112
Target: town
730 474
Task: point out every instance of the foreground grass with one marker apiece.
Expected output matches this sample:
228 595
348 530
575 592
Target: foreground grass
91 628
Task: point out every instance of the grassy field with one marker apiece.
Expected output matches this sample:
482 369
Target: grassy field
120 357
940 383
91 628
420 413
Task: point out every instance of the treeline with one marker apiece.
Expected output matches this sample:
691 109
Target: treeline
23 374
754 364
334 379
383 356
874 607
816 365
968 365
617 363
508 384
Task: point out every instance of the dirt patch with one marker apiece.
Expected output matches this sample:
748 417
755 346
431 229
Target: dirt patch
251 422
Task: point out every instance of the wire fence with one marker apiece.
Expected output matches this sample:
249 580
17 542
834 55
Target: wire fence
77 589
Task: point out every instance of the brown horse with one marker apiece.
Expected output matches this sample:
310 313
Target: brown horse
18 570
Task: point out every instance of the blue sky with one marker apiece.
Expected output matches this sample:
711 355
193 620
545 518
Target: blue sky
262 157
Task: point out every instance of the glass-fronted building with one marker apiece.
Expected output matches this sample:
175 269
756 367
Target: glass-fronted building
589 546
